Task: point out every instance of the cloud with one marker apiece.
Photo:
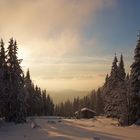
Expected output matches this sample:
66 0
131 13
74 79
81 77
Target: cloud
50 30
69 77
50 25
50 15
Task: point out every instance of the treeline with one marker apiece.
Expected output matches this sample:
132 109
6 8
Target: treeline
18 95
38 103
115 92
93 101
100 100
121 91
119 97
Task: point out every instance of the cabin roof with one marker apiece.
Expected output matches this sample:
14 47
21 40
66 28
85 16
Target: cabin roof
87 109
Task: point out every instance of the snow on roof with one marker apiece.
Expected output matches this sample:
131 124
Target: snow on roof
85 108
76 112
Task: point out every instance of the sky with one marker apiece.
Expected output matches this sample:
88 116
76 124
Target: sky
70 44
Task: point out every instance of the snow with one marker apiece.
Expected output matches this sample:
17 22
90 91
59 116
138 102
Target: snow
84 109
55 128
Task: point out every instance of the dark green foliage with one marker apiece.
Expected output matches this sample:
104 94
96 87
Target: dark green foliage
29 88
110 90
99 106
49 106
114 91
15 109
121 69
119 97
37 102
113 99
93 101
18 96
44 101
2 78
135 86
76 104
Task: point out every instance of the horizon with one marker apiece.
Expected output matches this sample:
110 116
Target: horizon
70 45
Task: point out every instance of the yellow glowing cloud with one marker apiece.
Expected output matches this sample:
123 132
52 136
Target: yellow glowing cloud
46 29
36 21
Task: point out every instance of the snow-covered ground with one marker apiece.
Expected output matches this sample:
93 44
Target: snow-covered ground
54 128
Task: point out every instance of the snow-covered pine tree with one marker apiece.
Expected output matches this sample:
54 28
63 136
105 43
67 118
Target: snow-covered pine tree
109 91
68 108
99 103
61 109
114 70
50 105
76 104
128 95
38 101
44 100
106 79
114 91
122 94
16 111
57 110
2 78
28 80
86 101
121 69
135 85
92 97
29 90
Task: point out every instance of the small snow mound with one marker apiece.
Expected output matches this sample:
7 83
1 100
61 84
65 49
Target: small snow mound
102 120
34 125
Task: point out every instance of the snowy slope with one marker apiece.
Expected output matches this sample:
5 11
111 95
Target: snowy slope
65 129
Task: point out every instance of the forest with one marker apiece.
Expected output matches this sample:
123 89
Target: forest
119 97
19 97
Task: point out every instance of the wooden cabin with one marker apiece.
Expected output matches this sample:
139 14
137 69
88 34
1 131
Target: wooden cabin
85 113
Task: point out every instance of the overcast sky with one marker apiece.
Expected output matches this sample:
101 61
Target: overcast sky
70 44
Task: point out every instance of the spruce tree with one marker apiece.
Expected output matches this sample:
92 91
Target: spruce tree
121 68
114 70
2 78
110 92
50 106
99 103
39 102
115 91
135 85
76 105
2 54
122 94
29 88
16 109
92 97
36 101
126 118
44 99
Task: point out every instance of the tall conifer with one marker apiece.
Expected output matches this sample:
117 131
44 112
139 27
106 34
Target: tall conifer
135 85
16 98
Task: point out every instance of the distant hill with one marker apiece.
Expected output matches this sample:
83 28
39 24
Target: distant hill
63 95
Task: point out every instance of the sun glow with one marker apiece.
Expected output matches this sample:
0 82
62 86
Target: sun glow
25 55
